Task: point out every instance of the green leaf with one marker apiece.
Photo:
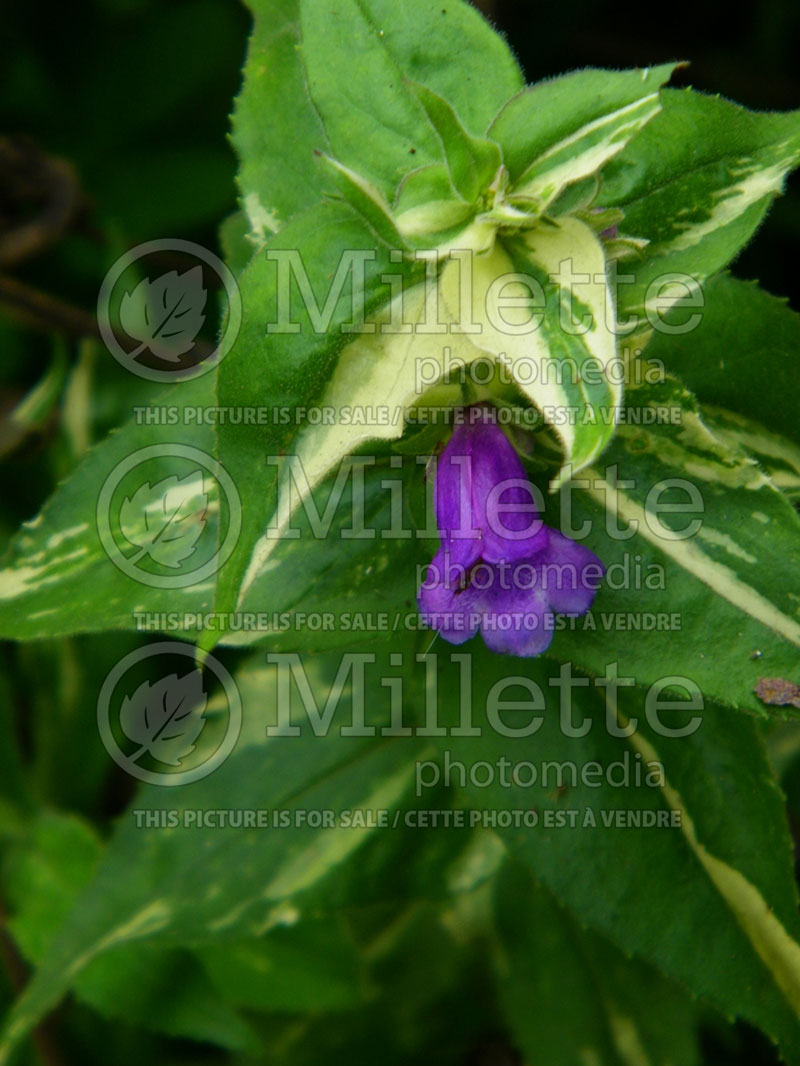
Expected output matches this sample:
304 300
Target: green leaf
567 992
428 978
696 183
371 117
57 577
454 51
330 591
44 877
286 352
720 861
714 576
273 973
472 161
275 126
357 55
252 876
563 130
738 351
427 203
234 239
161 990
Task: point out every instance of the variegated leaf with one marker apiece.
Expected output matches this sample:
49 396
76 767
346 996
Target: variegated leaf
57 578
544 309
277 174
377 372
778 456
560 131
287 351
695 184
254 882
740 351
701 844
715 570
560 371
740 358
427 203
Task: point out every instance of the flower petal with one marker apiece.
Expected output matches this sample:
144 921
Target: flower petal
513 528
516 622
485 506
491 533
453 499
569 574
444 604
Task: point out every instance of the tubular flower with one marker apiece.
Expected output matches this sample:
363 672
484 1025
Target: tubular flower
499 568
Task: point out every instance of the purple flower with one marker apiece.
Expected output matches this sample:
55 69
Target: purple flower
499 568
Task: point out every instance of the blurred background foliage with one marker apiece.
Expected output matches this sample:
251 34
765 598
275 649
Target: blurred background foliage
113 131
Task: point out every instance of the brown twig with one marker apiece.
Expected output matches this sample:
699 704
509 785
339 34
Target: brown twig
30 176
40 201
44 312
47 313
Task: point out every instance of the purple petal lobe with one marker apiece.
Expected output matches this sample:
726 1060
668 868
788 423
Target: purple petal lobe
516 622
446 601
570 574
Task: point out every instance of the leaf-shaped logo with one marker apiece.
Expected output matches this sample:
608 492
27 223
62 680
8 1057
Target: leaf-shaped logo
165 718
166 520
165 314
